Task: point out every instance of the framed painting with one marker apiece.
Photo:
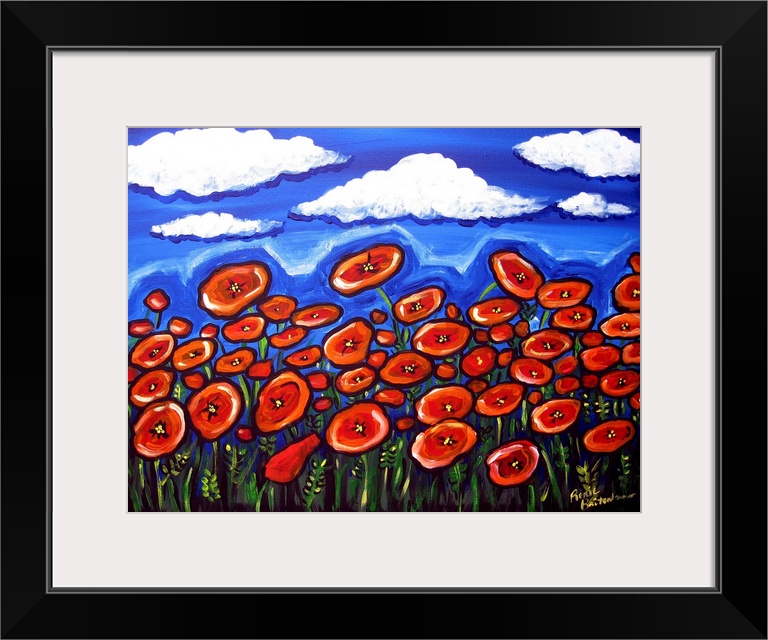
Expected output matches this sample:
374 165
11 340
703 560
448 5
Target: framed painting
437 325
382 335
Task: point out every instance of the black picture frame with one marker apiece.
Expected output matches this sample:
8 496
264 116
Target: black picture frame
736 608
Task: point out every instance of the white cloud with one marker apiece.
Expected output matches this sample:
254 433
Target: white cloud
426 186
593 204
599 153
205 161
213 225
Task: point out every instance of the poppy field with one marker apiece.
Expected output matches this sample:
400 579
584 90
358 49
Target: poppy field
526 399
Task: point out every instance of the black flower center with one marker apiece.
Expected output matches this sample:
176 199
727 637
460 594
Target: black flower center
416 306
556 414
520 277
158 431
443 338
448 441
360 428
409 368
635 293
277 402
565 294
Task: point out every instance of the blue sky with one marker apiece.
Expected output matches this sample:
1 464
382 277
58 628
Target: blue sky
300 198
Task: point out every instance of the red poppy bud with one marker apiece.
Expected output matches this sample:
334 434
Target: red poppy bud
286 465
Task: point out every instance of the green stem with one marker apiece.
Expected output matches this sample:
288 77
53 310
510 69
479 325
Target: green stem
364 495
487 290
499 426
544 319
186 495
337 486
246 395
388 302
552 477
159 486
531 498
475 493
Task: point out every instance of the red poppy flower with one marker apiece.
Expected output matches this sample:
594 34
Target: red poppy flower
481 335
578 318
159 429
278 308
287 338
180 327
592 339
286 465
547 344
500 399
260 370
634 402
477 386
193 353
249 328
618 384
391 397
319 380
478 361
442 444
193 380
403 424
559 294
566 365
501 332
515 274
441 403
133 373
234 362
244 434
589 381
152 351
441 338
355 380
530 371
385 338
555 416
157 300
376 358
534 397
522 328
566 384
634 262
318 315
600 358
512 463
378 316
358 428
622 325
452 311
493 311
419 305
303 357
609 436
505 357
215 408
281 402
209 331
445 371
405 369
233 287
348 344
322 404
626 294
630 354
367 269
151 386
140 327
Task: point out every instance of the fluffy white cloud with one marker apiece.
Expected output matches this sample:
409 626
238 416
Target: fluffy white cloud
211 225
593 204
426 186
600 153
205 161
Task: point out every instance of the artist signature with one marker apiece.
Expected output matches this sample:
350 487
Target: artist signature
589 498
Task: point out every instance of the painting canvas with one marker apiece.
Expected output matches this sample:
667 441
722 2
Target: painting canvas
383 319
